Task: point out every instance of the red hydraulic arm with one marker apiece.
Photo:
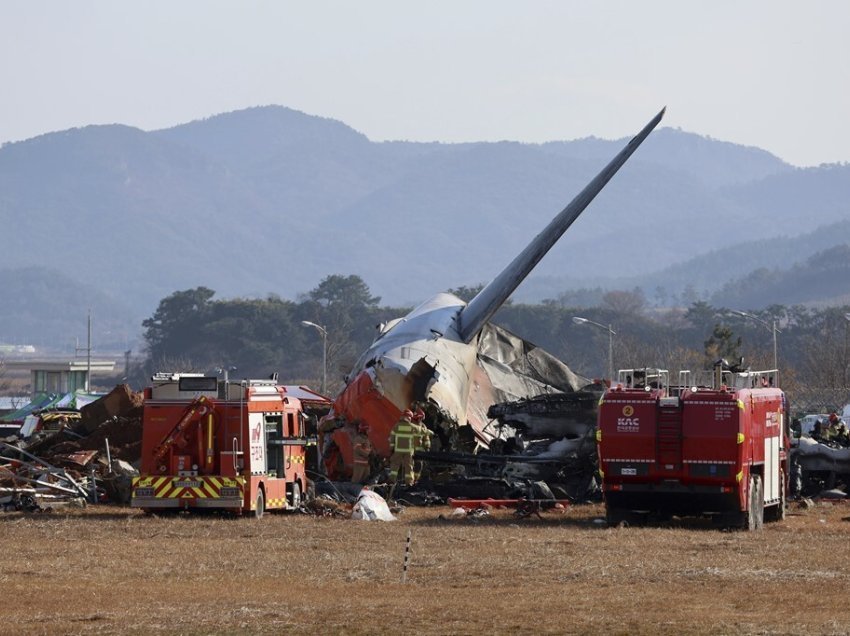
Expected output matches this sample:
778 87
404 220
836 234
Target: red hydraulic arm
196 409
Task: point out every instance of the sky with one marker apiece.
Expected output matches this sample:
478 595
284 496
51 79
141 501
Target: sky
766 73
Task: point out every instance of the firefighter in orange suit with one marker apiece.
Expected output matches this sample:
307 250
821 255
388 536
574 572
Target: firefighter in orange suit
402 444
362 448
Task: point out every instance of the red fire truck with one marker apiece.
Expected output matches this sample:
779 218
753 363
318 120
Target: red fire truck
719 449
238 447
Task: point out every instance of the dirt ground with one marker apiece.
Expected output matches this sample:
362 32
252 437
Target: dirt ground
113 570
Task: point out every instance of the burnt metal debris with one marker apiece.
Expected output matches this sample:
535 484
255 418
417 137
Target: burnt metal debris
545 448
71 458
541 448
820 469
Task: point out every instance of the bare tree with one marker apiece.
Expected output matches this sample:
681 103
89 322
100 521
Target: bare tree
631 303
636 353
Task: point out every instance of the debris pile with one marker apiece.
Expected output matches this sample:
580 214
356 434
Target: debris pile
820 460
545 449
324 506
27 481
68 458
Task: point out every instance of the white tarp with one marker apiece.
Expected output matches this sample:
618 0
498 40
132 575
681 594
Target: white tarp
370 506
28 428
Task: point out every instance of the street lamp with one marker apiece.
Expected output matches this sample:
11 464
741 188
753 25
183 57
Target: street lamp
324 333
771 326
611 333
846 364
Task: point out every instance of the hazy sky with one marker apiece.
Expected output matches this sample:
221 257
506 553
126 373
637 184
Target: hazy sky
773 74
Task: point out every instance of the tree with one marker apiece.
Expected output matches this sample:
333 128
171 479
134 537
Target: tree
346 308
258 337
467 293
660 296
343 291
628 303
174 327
826 350
700 314
722 344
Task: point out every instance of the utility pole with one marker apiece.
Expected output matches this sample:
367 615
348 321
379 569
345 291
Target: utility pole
77 350
771 327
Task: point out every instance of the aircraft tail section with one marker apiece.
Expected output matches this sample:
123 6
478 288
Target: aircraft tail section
481 308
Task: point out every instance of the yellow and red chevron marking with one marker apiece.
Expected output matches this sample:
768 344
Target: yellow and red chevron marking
200 487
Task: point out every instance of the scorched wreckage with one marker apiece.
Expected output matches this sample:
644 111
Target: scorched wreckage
447 358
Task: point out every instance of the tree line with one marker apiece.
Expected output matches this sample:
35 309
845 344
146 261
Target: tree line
192 330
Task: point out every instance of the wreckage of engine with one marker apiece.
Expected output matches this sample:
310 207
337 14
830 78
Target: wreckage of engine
544 446
820 468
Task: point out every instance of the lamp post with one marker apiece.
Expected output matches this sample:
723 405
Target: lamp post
771 326
611 333
846 364
77 349
324 333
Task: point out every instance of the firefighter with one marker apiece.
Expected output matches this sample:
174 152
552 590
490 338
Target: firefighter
402 444
362 449
837 429
424 434
422 440
326 428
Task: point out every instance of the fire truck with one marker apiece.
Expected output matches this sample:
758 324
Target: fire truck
237 447
719 448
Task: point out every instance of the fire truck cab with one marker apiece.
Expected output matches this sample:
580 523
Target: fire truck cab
238 447
717 448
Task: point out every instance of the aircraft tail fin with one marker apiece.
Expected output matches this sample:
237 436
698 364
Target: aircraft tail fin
481 308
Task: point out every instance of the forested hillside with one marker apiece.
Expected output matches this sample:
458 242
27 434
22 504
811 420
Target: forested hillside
192 330
270 201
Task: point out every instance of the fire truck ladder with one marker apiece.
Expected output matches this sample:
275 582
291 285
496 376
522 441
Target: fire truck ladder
198 407
668 434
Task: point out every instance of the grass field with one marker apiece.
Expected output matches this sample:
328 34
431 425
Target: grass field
113 570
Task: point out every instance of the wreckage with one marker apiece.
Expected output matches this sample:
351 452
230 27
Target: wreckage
545 448
820 468
63 457
447 358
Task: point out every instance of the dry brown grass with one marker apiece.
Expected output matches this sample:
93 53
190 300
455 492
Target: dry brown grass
113 570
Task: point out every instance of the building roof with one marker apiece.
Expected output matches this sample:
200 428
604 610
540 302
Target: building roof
97 366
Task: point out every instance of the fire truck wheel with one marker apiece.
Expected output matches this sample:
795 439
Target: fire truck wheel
296 496
755 510
261 505
620 517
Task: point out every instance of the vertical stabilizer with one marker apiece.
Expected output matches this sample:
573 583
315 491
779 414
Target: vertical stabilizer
481 308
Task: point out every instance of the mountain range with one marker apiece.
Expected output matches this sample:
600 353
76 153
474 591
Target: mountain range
272 200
